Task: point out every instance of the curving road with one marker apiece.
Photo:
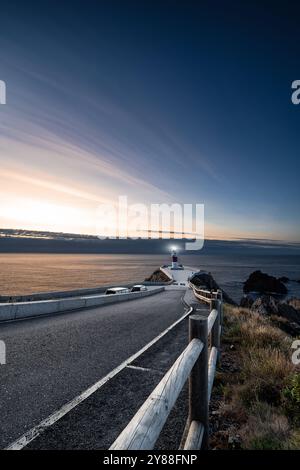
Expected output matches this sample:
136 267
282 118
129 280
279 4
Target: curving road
51 360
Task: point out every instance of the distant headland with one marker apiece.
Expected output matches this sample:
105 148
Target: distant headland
33 241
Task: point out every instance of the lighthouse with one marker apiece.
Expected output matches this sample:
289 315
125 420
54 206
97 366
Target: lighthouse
174 259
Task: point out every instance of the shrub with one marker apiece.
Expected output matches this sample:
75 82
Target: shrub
233 333
262 396
252 330
261 334
265 373
291 398
265 429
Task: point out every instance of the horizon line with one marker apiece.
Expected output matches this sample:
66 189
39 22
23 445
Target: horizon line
209 238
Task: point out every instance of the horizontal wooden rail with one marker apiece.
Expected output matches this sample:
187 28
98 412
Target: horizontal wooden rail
202 291
197 434
143 430
204 295
211 319
203 299
212 369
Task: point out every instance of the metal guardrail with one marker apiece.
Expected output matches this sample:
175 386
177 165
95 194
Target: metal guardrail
198 364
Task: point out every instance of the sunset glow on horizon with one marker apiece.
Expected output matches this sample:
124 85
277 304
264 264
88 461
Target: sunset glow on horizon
147 124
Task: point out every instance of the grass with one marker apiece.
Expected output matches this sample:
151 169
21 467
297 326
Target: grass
291 394
259 398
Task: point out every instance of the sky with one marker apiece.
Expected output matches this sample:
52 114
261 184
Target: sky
164 102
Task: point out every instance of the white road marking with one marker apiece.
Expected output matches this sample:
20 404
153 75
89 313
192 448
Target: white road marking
144 369
36 431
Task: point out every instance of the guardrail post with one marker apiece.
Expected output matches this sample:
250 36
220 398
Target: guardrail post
198 381
215 332
220 292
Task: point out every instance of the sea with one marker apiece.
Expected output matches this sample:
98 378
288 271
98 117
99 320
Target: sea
28 273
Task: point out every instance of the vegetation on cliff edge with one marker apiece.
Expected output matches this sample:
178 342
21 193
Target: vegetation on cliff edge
256 399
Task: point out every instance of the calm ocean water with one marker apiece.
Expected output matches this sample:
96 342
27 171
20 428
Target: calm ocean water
27 273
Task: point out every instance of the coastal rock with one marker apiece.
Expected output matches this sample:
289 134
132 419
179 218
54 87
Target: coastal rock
294 302
263 283
288 311
283 279
246 301
288 317
291 328
295 328
205 280
265 305
158 276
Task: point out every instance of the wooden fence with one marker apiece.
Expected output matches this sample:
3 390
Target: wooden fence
198 364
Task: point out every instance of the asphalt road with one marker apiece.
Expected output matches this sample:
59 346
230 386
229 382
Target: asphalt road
52 360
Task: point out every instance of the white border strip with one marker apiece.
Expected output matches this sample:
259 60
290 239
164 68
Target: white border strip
36 431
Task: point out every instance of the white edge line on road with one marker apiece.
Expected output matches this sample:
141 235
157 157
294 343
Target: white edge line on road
34 432
144 369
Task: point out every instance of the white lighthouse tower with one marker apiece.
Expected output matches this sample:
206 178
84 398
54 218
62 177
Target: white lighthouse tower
174 259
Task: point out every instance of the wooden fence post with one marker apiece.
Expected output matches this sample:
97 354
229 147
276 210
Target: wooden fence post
221 306
198 381
215 332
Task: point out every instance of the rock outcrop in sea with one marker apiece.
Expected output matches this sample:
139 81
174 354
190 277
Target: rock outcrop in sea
264 284
206 281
